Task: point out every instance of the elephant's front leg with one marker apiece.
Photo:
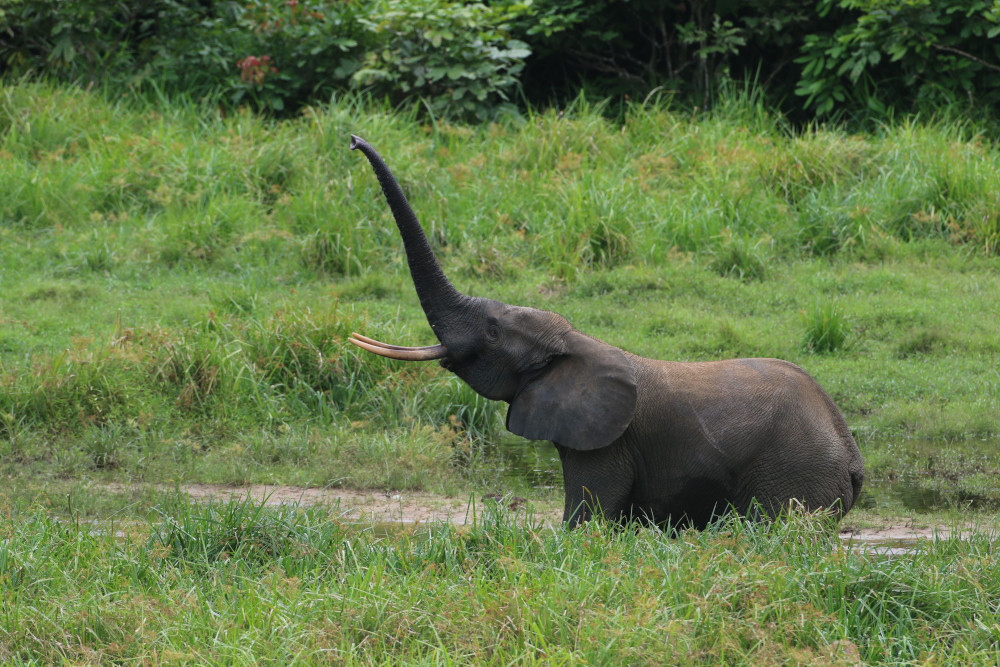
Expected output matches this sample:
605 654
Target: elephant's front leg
598 483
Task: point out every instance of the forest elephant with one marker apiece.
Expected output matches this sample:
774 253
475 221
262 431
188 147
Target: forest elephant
656 441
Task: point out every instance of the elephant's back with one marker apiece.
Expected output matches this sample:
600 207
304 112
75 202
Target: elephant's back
764 427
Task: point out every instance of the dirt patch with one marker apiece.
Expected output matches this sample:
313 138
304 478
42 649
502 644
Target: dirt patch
363 505
907 531
897 532
414 507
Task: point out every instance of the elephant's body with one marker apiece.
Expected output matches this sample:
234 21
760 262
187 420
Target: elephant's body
654 440
711 436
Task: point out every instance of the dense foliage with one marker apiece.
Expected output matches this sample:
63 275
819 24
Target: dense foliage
469 60
277 55
912 55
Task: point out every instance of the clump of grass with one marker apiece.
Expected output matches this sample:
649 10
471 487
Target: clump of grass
981 226
605 243
738 257
588 222
486 262
922 341
111 445
90 385
830 220
330 253
238 300
816 159
293 363
204 233
243 531
191 367
826 326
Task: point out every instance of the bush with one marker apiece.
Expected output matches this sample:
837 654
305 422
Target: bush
276 55
687 49
464 60
457 58
907 54
77 41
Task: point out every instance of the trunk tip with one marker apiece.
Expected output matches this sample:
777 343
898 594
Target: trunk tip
356 141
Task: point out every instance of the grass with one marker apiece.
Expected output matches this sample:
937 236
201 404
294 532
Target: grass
177 287
238 582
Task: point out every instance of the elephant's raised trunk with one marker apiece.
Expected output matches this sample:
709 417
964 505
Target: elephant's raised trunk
438 297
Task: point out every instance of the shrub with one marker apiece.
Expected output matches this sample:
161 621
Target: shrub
458 58
631 48
299 51
276 55
905 54
464 59
77 41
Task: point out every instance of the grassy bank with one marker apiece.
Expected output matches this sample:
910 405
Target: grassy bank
178 285
236 583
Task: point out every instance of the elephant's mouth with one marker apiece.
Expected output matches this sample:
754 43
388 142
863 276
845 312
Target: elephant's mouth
400 352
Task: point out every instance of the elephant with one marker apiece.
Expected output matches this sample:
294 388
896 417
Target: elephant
661 442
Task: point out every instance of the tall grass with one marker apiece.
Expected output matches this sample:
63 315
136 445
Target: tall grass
241 582
244 371
568 194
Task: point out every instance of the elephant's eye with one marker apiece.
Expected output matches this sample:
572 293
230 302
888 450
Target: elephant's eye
493 331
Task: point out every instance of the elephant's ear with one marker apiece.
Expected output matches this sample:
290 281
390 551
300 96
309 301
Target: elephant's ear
584 399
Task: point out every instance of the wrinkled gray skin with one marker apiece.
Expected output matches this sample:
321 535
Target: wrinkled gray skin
658 441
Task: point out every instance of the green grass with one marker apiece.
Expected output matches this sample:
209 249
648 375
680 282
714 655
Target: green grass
178 285
241 583
827 329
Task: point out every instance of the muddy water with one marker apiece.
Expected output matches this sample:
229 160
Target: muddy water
535 462
886 547
908 493
927 476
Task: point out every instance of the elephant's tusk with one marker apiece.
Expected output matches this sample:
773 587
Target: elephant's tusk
398 351
372 341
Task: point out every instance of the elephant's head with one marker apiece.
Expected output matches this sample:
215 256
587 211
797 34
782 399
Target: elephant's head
562 385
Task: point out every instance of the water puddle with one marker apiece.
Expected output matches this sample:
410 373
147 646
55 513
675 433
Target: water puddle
884 547
536 462
922 493
929 476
